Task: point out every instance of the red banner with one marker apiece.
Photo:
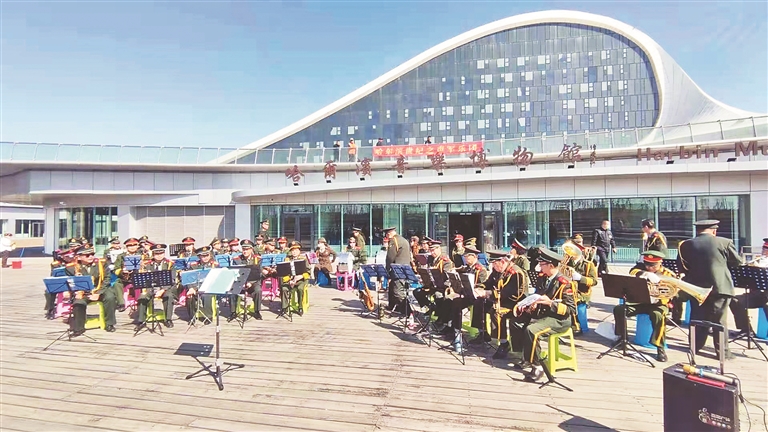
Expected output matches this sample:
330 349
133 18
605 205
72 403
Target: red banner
427 149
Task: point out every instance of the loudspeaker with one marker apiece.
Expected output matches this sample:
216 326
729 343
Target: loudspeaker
694 406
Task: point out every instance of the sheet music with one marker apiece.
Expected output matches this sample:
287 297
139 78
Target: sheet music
381 257
114 253
527 301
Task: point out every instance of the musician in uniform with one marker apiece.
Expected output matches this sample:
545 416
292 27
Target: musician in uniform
158 263
457 305
357 233
282 245
216 248
458 250
189 248
439 261
584 273
114 249
124 276
60 259
359 254
518 255
270 247
234 246
550 313
291 284
205 261
258 247
87 264
398 253
110 257
650 269
705 260
653 239
264 229
753 298
224 247
326 256
249 258
414 246
144 246
424 246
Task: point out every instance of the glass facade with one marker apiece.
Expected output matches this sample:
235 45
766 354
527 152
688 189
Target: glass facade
536 80
97 224
496 225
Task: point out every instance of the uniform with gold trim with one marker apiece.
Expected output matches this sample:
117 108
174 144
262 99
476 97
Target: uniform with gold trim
650 269
249 258
509 287
480 274
653 239
584 275
158 263
189 248
124 276
294 284
519 257
357 233
441 262
60 259
205 261
87 265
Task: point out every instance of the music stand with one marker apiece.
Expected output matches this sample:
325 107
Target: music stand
180 264
312 258
270 260
482 259
750 278
238 287
70 284
429 285
458 260
671 265
132 262
422 259
59 272
404 272
375 272
151 281
193 278
218 283
223 260
632 290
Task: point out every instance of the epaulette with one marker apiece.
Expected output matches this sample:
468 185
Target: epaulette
445 258
478 266
71 264
510 270
563 280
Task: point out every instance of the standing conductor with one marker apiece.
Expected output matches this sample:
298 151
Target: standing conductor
398 252
705 260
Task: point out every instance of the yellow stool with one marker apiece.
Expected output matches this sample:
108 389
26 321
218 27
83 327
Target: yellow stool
304 301
557 360
97 321
154 316
214 308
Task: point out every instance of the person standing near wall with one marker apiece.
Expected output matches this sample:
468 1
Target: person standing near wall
602 240
6 246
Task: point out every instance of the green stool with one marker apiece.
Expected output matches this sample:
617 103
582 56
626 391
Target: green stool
98 321
214 308
305 301
154 316
557 360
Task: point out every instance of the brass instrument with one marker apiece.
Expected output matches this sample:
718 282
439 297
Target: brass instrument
589 253
668 288
570 253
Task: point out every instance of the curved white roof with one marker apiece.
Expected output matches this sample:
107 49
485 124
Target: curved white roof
681 101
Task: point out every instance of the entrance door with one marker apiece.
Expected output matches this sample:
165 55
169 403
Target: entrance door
467 224
299 227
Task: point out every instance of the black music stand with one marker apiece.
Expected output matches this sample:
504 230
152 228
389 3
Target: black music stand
243 276
429 285
289 269
375 272
750 278
464 287
152 281
193 278
632 290
222 283
404 272
70 284
671 265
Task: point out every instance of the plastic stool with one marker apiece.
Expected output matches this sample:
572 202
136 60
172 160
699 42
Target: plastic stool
62 307
270 289
304 301
557 360
581 315
644 331
322 280
154 315
345 281
687 316
98 321
762 324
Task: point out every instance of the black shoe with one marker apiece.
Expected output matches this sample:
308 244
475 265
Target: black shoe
169 323
535 375
77 333
661 356
502 351
257 315
50 315
523 365
301 312
139 326
121 309
110 329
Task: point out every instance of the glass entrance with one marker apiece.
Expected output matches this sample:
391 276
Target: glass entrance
477 220
299 227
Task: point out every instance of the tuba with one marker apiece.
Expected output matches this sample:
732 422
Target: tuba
570 252
668 288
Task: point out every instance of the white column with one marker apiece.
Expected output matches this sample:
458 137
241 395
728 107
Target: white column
49 239
243 221
125 222
758 222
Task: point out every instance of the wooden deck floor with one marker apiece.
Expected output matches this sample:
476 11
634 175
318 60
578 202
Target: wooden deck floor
330 370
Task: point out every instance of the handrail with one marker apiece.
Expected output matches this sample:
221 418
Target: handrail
731 129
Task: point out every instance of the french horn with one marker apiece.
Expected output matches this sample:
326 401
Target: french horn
668 287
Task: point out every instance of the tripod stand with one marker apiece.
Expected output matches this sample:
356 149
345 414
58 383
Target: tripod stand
750 278
151 281
629 289
551 378
403 274
56 285
218 283
246 274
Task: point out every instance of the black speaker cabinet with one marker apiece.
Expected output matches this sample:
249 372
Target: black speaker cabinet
690 406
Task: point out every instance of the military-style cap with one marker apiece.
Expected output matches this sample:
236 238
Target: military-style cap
225 241
707 224
270 241
215 240
765 243
518 246
259 237
356 229
188 240
114 240
424 240
386 230
158 248
458 237
133 241
435 245
428 239
205 250
652 256
234 241
144 238
647 223
548 256
246 244
533 251
323 240
295 245
72 240
264 221
469 250
495 255
577 236
86 251
416 238
282 240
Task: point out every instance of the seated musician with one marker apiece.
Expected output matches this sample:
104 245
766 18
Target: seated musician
650 269
258 246
460 303
60 259
144 247
282 245
424 245
552 313
205 261
584 274
158 263
414 246
519 257
504 290
111 255
189 248
439 261
753 298
123 275
87 264
326 256
248 258
216 247
458 250
114 249
291 284
234 246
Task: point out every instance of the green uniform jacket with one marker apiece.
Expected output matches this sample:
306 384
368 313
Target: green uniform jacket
656 242
560 290
705 260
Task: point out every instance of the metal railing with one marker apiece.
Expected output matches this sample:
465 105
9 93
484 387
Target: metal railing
736 129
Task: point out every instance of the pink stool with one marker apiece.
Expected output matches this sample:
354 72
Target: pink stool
345 281
130 302
62 307
270 289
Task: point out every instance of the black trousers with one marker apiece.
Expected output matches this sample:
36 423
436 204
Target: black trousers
602 266
714 309
510 325
255 293
398 296
5 255
422 296
752 300
50 301
481 307
677 305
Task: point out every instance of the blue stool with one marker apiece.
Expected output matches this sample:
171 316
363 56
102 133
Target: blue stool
367 281
762 325
322 280
581 315
687 316
644 331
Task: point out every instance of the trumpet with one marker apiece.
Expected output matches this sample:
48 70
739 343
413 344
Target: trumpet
668 288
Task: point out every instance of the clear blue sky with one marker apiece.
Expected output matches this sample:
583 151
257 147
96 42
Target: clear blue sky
220 74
